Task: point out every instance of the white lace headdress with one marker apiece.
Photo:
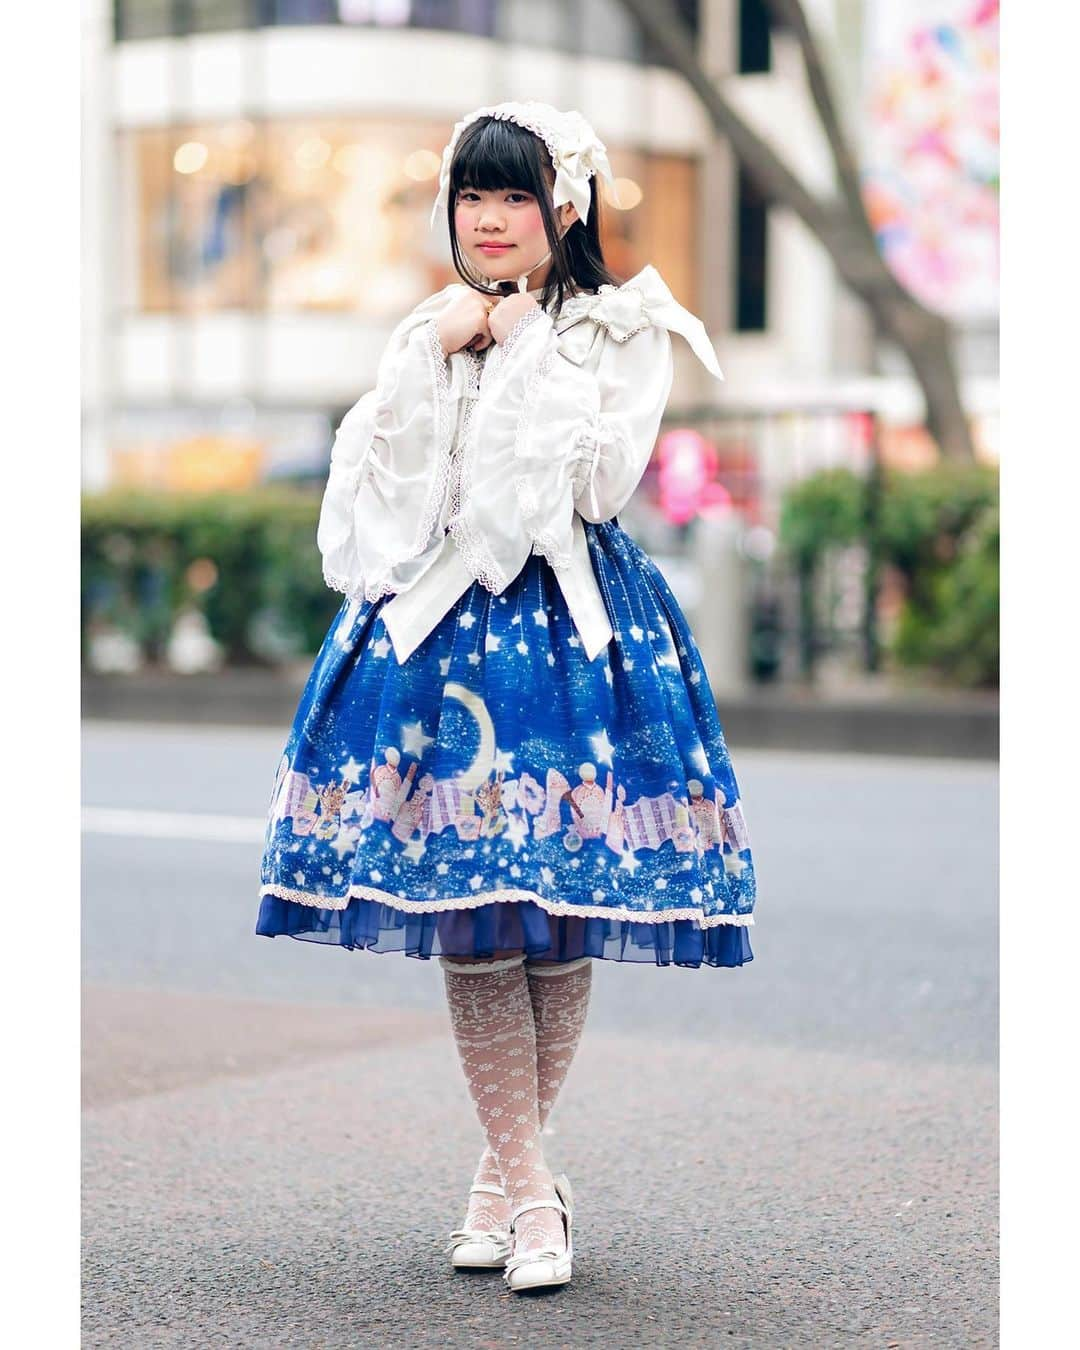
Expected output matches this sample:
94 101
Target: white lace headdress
576 151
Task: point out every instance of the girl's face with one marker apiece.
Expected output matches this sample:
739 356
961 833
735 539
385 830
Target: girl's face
501 232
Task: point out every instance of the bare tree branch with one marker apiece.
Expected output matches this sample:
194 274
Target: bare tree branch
790 15
771 175
840 225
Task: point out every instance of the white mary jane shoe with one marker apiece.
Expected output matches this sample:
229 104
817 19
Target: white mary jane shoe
478 1248
542 1267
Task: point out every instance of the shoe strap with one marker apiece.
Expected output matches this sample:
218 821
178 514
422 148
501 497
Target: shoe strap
486 1188
538 1204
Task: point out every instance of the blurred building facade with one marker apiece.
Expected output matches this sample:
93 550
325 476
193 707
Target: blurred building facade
258 176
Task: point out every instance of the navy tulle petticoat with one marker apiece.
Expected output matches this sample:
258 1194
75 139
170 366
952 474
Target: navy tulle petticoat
520 926
500 792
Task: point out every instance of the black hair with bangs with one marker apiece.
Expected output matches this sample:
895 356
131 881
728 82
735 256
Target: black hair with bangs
495 153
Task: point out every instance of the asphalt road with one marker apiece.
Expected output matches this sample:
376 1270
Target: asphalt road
803 1152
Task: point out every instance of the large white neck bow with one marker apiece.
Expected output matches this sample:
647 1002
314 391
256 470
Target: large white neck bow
643 301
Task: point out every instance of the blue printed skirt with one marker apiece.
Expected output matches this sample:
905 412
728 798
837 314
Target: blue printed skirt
499 792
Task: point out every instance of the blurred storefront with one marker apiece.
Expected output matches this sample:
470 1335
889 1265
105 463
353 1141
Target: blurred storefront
265 204
258 179
261 219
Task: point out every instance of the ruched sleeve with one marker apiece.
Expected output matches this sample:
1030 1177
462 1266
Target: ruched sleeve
633 380
634 372
389 465
348 464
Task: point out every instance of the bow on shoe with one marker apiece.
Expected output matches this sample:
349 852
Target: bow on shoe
459 1236
537 1254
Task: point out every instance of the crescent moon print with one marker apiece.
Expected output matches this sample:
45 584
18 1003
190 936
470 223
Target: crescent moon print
478 770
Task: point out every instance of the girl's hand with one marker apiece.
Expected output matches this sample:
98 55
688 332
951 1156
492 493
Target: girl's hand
464 323
507 312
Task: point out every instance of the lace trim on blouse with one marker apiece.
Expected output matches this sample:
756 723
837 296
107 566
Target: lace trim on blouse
527 319
475 554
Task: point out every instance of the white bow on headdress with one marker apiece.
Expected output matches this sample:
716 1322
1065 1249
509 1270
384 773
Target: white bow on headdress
576 151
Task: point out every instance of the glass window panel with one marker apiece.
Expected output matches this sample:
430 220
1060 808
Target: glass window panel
596 27
661 228
434 14
606 28
464 16
332 214
755 55
477 16
199 199
540 23
143 18
215 16
689 12
382 13
352 198
298 11
620 227
751 282
148 161
669 235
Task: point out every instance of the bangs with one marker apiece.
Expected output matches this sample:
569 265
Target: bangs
497 155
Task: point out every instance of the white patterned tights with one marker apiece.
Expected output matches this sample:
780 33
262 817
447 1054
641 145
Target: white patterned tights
517 1027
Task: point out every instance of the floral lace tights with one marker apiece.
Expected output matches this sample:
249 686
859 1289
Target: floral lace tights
517 1027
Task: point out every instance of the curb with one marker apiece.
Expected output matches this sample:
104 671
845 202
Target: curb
963 726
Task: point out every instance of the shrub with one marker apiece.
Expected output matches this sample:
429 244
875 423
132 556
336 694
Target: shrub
938 529
248 561
955 626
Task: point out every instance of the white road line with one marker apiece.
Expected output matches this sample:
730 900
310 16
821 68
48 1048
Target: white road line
172 825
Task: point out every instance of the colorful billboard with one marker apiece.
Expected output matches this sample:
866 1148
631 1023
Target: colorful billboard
930 151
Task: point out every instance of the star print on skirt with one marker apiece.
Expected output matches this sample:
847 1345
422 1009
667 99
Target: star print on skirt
499 791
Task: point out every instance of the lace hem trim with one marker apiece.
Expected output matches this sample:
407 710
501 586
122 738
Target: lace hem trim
342 584
530 317
477 557
358 591
498 352
560 908
544 544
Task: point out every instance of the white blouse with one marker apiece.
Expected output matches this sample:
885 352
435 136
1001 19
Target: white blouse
453 470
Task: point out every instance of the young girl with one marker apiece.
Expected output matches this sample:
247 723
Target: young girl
507 753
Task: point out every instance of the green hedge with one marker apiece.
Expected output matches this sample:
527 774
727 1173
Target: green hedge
939 530
269 598
953 627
